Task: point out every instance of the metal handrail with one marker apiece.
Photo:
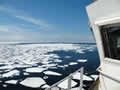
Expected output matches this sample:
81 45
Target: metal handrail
108 76
81 71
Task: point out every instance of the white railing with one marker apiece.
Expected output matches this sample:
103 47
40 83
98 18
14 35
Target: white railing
81 71
109 76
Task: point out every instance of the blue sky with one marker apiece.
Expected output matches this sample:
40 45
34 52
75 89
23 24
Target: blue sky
44 21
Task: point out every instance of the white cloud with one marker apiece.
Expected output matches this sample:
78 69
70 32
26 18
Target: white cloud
21 15
40 23
17 33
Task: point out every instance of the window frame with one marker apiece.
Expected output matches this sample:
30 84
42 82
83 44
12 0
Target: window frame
109 45
107 21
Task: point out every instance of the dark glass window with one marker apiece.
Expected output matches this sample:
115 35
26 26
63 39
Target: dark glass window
111 41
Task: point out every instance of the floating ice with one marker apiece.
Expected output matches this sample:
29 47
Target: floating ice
57 60
52 73
55 88
26 73
94 76
11 81
45 86
45 77
49 65
33 82
67 56
61 66
77 76
35 70
64 84
6 67
80 51
73 63
66 65
77 88
4 85
11 73
82 60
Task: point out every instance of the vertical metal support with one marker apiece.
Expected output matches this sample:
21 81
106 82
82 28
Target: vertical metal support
70 82
81 77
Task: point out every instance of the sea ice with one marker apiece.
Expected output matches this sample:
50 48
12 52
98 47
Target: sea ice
26 73
67 56
33 82
52 73
45 86
82 60
64 84
11 73
4 85
73 63
66 65
77 76
94 76
35 70
55 88
45 77
11 81
6 67
57 60
49 65
61 66
77 88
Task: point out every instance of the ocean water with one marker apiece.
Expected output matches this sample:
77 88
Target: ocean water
49 62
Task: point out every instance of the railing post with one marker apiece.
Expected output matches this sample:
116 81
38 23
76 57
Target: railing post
81 77
69 82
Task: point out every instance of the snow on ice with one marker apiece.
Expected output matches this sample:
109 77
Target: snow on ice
11 73
33 82
11 81
64 84
35 70
52 73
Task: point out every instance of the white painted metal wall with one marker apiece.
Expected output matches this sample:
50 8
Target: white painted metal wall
104 12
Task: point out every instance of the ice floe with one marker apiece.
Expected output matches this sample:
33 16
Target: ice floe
26 73
35 70
64 84
67 56
52 73
45 86
78 88
45 77
49 65
94 76
77 76
6 67
73 63
33 82
82 60
11 73
55 88
57 60
4 85
11 82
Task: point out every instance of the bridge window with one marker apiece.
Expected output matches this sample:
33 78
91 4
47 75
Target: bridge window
111 41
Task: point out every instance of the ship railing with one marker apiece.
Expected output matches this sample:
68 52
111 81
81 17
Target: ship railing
70 77
108 76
